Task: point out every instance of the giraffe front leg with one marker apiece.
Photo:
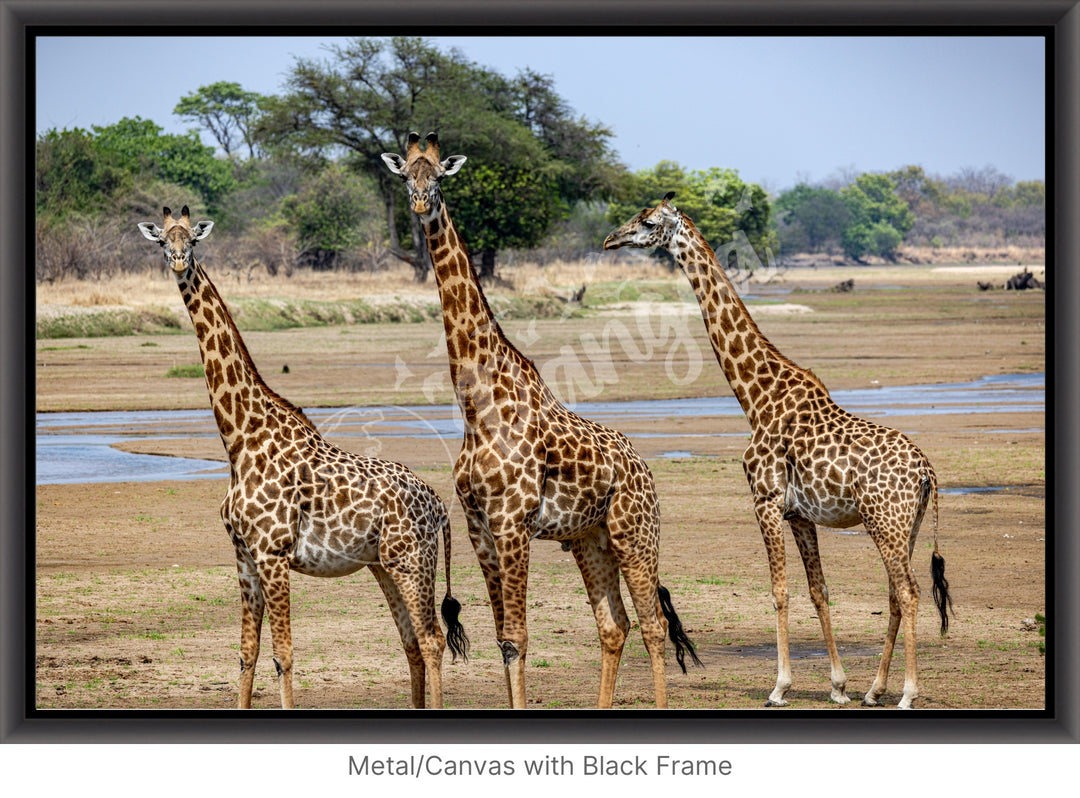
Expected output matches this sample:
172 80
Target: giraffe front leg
512 545
274 577
772 531
806 539
252 607
484 546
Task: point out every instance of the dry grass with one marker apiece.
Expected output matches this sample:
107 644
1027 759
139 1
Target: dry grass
158 288
1018 256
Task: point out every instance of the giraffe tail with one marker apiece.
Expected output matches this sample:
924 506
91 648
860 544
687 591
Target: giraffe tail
682 643
456 638
942 599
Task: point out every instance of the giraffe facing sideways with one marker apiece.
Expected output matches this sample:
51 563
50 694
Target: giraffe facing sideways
297 503
809 461
530 468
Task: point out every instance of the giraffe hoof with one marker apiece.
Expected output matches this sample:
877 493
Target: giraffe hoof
779 703
870 702
839 699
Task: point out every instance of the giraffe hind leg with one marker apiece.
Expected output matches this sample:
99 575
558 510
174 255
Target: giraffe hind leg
806 539
600 572
903 610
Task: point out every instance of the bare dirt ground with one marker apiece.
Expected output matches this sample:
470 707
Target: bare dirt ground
138 607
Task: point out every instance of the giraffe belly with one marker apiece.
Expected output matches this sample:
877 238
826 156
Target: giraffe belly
832 507
333 550
568 511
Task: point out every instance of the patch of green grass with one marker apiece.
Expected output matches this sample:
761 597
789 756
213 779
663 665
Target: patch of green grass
60 348
107 322
187 370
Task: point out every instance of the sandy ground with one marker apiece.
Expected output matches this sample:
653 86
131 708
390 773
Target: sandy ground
138 607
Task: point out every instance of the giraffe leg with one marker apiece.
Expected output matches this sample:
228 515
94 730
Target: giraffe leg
806 539
251 616
484 546
634 535
881 679
903 609
771 522
512 545
274 577
408 627
601 574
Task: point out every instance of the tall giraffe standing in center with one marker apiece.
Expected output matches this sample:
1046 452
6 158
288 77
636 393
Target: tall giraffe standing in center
530 468
295 502
809 461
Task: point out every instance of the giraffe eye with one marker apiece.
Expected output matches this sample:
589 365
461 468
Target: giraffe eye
649 224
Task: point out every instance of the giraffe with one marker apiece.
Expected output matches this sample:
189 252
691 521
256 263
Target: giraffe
295 502
808 461
531 468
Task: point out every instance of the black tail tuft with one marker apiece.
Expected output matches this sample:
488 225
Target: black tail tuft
683 646
941 589
456 638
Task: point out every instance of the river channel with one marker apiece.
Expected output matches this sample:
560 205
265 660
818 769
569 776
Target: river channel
79 447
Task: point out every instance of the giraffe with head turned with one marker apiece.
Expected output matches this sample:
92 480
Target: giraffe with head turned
530 468
298 503
809 461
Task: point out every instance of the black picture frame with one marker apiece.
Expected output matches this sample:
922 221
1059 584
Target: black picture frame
22 20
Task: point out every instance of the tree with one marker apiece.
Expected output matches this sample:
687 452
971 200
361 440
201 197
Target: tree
879 217
496 206
718 200
370 94
227 111
73 175
329 215
811 218
138 146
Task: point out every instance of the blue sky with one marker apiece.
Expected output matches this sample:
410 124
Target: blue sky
777 109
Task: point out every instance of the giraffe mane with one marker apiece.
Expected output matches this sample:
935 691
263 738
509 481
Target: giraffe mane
245 355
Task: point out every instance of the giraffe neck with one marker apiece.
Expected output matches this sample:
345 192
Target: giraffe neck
238 395
750 362
475 343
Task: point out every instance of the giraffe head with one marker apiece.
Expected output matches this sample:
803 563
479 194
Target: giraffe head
653 227
177 239
422 170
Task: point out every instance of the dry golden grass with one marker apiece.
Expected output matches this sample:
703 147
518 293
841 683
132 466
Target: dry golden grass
159 289
1018 256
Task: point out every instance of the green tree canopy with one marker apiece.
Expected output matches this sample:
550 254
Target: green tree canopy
328 214
879 217
370 94
811 218
720 203
227 111
140 147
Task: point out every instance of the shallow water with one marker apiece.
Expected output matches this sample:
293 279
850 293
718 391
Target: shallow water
77 447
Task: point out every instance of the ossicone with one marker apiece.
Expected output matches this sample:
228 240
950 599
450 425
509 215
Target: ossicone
669 196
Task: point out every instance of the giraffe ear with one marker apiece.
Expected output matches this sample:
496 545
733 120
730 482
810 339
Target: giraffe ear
150 231
452 164
202 230
394 162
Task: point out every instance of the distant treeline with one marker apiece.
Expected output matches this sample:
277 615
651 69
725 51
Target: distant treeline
296 180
